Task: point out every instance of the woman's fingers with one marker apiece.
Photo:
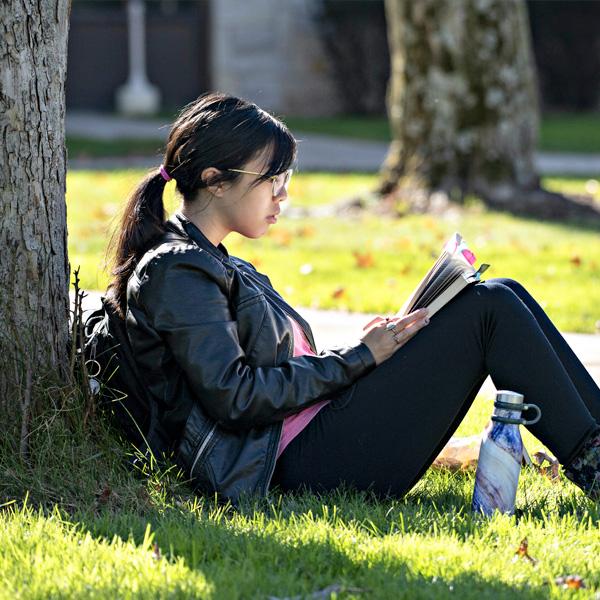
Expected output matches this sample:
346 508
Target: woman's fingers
410 319
406 320
372 322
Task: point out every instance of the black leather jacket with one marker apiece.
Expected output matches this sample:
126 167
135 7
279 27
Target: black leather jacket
214 346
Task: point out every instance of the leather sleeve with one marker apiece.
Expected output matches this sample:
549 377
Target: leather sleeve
188 306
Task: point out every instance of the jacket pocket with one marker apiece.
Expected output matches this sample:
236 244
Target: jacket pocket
197 441
202 450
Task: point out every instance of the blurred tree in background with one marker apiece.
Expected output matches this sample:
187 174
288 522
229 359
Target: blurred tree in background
566 46
462 103
463 109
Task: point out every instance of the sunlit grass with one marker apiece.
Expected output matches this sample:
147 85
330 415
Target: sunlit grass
426 545
316 262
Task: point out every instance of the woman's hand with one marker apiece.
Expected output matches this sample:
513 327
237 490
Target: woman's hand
383 342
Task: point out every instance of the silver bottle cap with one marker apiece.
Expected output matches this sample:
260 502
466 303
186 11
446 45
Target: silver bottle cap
509 396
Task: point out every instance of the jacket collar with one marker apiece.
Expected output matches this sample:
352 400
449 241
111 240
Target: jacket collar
182 223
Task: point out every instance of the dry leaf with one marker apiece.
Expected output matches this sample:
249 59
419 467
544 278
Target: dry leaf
363 261
550 470
338 292
459 454
575 260
574 582
306 231
103 496
281 236
523 552
156 555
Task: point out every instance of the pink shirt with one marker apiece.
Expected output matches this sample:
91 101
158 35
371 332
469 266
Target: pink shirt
294 424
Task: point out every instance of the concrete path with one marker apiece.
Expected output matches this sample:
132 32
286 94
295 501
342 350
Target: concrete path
333 328
315 152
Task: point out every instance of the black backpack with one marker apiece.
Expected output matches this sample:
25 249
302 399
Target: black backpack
114 379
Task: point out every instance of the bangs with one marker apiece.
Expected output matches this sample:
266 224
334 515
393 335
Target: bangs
279 153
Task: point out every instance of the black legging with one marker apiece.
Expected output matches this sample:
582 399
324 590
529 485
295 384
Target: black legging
387 432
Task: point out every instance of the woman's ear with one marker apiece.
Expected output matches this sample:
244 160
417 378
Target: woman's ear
207 176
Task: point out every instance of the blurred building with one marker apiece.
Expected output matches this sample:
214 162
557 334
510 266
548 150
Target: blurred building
268 51
298 57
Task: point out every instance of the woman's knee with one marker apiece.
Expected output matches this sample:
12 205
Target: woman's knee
513 284
500 292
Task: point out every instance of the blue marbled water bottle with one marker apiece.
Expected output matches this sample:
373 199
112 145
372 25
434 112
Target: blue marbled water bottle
500 455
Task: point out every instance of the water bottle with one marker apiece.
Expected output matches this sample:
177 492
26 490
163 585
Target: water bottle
500 455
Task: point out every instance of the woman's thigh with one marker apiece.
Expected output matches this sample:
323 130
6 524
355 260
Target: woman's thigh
401 414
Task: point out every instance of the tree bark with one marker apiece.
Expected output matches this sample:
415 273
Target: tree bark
463 106
34 267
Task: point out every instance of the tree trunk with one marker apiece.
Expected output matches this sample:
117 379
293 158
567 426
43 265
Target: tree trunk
463 107
34 267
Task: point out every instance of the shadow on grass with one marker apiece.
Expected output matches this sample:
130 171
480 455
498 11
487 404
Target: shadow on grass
240 563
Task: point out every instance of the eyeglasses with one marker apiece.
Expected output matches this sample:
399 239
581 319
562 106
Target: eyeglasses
280 182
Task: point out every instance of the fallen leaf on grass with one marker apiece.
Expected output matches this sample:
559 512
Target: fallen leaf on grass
325 593
104 494
575 260
459 454
338 292
306 231
363 261
550 470
281 236
523 552
156 555
573 582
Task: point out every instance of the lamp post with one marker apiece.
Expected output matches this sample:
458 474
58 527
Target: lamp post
138 96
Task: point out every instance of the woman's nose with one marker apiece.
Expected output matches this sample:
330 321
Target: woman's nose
281 196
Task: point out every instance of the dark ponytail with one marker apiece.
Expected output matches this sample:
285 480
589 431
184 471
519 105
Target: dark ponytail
216 130
141 224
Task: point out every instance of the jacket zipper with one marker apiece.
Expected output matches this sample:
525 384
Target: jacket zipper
299 319
290 354
202 447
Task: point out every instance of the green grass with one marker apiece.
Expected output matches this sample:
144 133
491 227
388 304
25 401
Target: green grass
101 532
558 263
425 546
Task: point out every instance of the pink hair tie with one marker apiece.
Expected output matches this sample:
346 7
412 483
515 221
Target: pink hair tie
164 173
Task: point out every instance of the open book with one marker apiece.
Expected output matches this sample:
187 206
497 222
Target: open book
452 272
